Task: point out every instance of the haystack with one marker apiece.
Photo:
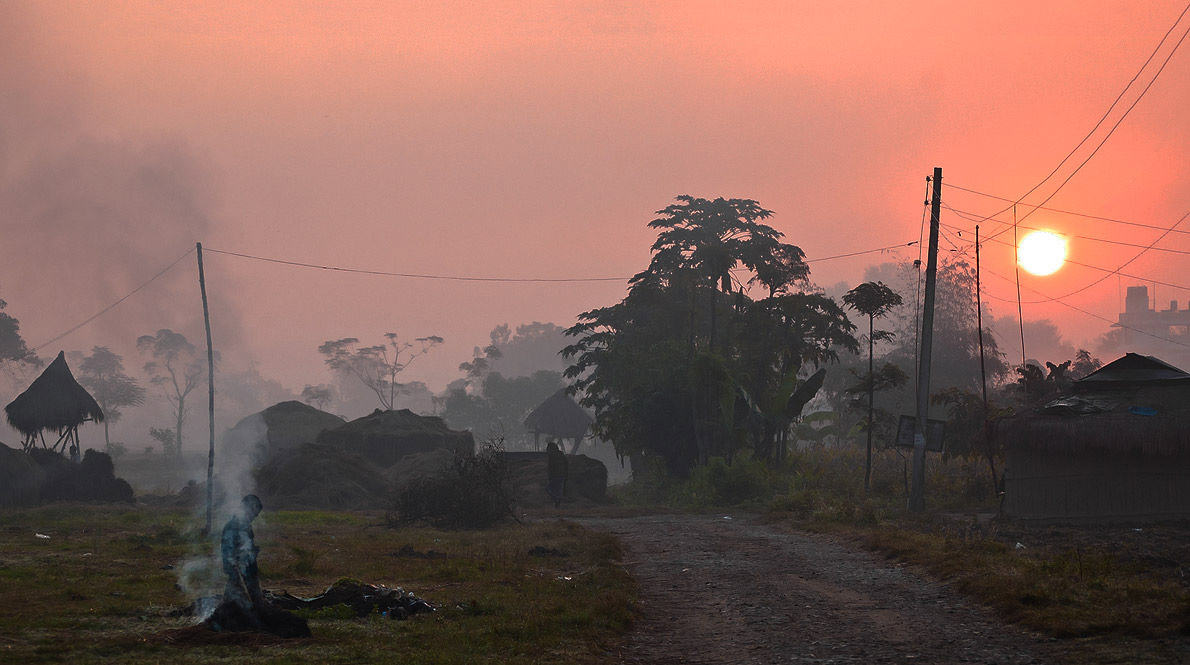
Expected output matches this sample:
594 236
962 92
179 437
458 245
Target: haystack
20 478
586 483
320 476
282 425
54 401
385 437
559 417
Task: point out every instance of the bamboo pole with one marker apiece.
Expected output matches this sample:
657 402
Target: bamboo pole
206 317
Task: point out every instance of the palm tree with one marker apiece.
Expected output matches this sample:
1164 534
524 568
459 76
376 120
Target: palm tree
872 299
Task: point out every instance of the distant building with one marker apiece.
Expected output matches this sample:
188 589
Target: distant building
1116 449
1143 329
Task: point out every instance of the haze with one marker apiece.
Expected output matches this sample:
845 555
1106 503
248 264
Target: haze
536 140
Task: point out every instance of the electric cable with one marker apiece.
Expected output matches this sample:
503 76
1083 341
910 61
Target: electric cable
33 351
1105 116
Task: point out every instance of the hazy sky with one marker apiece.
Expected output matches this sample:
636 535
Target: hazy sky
536 140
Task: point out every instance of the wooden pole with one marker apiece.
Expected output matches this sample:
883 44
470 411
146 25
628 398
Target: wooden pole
917 498
983 375
206 317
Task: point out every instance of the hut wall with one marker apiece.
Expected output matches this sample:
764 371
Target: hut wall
1096 486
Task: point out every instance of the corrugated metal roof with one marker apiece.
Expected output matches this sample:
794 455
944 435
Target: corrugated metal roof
1132 368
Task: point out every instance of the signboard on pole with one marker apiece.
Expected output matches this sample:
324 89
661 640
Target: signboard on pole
935 433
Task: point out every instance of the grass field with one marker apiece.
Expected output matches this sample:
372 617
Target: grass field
96 584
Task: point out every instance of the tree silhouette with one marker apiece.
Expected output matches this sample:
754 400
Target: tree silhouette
318 396
176 368
656 367
102 373
377 366
872 299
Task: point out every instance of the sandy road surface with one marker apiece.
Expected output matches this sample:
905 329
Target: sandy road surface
732 590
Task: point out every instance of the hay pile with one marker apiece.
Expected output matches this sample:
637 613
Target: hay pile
312 459
321 477
282 425
20 478
384 437
43 475
587 482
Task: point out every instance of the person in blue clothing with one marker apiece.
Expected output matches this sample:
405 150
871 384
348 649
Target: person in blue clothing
239 551
557 473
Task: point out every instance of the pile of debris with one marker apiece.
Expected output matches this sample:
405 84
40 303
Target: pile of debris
277 615
363 599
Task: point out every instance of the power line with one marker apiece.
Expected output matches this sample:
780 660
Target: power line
101 312
1079 309
1110 273
1109 270
972 216
33 351
460 278
384 273
965 215
1102 119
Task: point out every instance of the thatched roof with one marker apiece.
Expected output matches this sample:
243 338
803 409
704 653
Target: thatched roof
559 416
53 401
1132 369
1140 418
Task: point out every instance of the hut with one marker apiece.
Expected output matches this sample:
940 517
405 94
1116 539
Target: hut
54 401
559 416
1116 449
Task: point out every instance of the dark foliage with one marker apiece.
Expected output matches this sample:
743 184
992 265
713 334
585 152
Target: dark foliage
92 479
475 491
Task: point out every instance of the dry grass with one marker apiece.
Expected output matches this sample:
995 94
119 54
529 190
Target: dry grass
1096 590
99 589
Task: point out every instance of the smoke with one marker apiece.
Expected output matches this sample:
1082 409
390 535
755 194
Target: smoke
242 449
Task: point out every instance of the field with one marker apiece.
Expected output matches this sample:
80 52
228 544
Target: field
98 584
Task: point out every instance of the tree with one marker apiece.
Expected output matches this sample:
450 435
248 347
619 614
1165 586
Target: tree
956 334
377 366
481 363
102 373
170 445
661 372
15 355
872 299
177 369
318 396
1083 364
499 407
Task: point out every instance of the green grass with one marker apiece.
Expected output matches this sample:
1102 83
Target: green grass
100 587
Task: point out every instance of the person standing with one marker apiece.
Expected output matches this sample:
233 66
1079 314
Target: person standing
557 473
239 552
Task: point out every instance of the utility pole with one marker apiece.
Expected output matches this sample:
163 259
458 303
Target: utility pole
206 317
917 498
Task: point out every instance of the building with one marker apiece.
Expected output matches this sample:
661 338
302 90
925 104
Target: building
1116 449
1161 333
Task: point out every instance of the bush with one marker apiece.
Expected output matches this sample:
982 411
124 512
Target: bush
476 490
719 484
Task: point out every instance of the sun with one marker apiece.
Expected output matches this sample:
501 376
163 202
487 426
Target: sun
1042 252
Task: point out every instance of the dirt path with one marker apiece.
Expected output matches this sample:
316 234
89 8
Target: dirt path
731 590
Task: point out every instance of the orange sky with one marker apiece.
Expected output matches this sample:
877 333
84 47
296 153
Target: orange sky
524 139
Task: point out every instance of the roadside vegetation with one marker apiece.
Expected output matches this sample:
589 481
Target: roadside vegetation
1109 592
96 584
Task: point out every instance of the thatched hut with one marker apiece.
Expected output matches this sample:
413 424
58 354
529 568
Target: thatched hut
1116 449
560 417
54 401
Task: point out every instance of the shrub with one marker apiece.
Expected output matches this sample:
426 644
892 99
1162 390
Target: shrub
476 490
719 484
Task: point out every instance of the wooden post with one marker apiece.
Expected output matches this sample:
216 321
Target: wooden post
983 375
917 498
206 317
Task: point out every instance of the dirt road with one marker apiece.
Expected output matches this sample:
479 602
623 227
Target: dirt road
718 589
